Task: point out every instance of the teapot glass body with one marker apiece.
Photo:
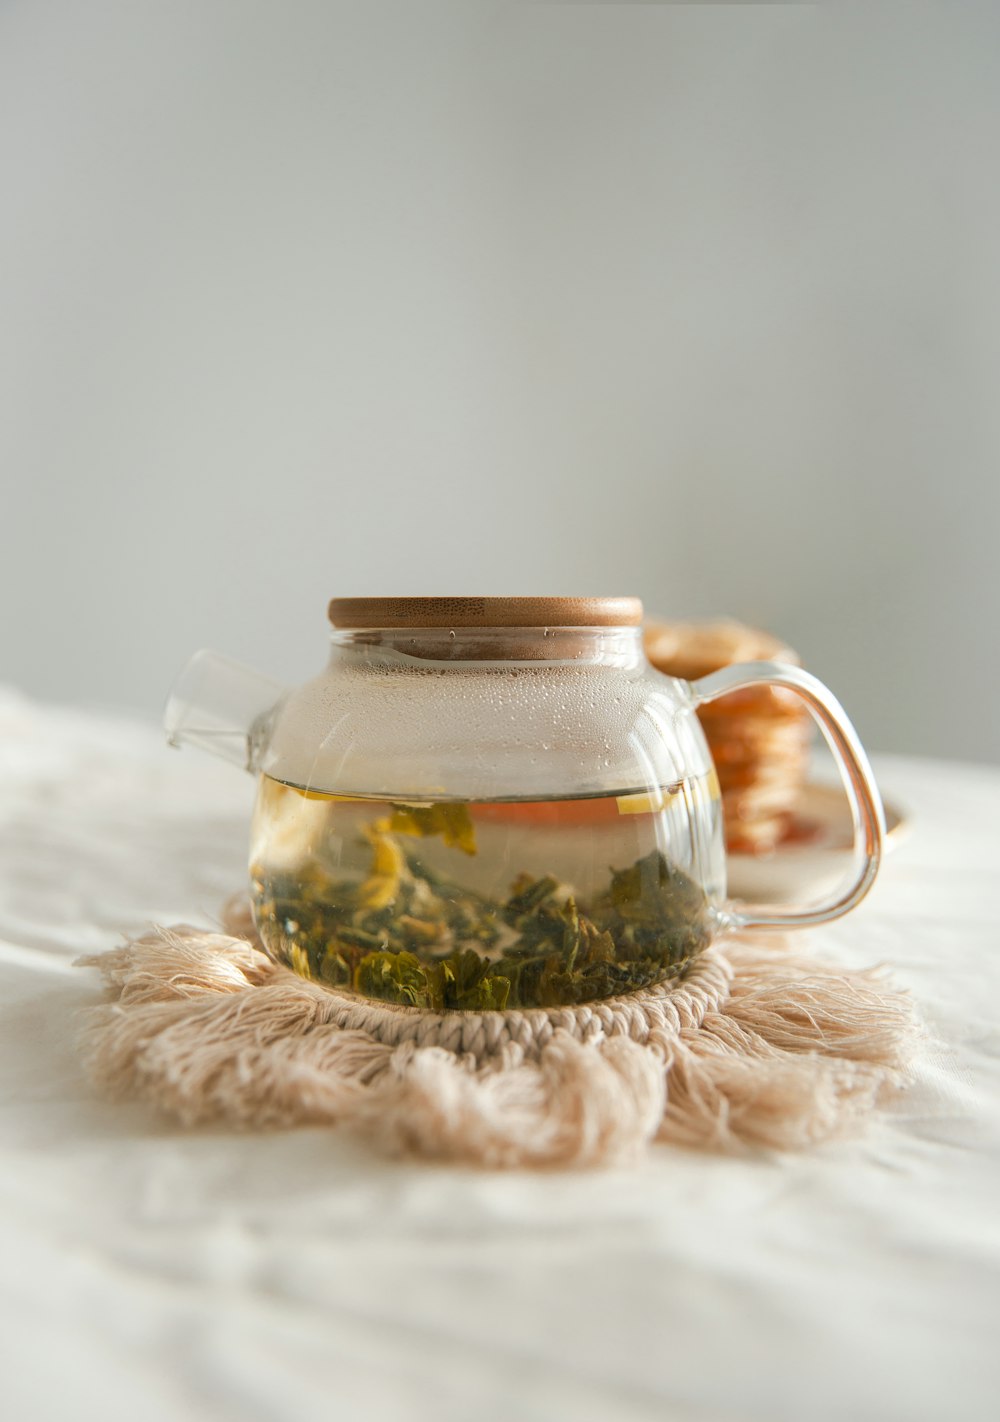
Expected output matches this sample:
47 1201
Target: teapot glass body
479 816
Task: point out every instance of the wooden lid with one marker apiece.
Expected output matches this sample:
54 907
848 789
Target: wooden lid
485 612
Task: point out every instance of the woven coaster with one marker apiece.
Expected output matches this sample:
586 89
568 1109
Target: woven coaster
752 1047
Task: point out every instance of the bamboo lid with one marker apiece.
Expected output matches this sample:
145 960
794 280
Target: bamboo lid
365 612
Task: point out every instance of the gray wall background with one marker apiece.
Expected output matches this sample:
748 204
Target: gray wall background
699 302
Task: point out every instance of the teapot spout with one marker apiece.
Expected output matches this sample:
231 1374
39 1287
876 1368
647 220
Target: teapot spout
223 707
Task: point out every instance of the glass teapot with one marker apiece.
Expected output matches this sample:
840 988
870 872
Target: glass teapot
488 803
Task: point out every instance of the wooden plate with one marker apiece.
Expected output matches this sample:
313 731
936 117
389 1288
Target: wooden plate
815 856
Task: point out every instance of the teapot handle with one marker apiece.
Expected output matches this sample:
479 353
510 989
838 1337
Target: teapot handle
855 772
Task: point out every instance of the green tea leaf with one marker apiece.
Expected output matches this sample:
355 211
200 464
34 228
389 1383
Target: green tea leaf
408 935
448 818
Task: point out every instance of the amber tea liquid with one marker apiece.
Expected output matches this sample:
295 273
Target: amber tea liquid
487 904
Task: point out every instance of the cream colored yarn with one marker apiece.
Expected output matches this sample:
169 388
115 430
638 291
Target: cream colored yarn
752 1047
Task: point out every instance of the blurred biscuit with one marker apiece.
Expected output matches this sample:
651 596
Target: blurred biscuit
759 737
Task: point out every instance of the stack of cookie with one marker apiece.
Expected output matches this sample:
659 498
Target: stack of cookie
759 738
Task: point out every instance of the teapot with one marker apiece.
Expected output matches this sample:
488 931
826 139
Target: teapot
495 802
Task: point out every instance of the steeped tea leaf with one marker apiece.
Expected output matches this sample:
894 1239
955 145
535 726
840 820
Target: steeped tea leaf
403 931
448 818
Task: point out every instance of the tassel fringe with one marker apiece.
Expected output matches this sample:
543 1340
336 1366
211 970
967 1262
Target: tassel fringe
754 1048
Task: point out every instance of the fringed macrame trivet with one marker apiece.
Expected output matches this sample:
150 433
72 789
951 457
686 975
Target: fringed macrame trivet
754 1046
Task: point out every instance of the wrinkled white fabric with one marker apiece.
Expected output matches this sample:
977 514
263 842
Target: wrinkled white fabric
158 1273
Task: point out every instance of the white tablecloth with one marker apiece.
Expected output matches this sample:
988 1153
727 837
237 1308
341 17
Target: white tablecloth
154 1273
